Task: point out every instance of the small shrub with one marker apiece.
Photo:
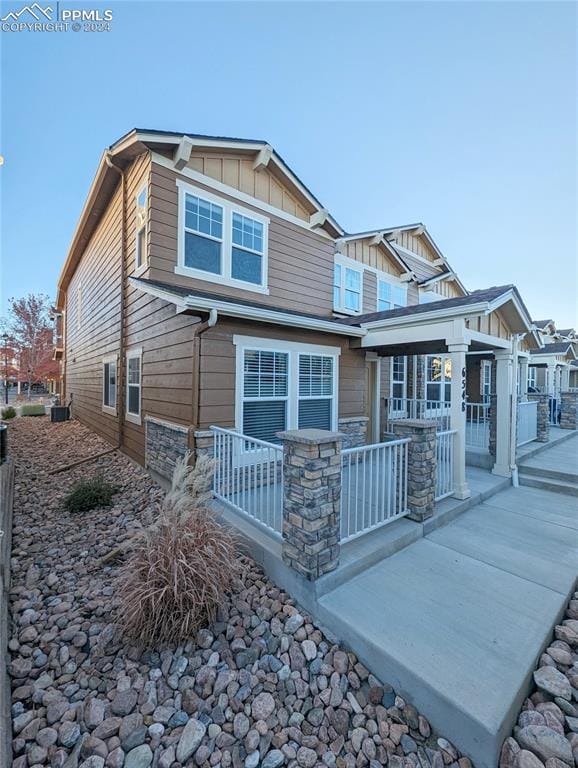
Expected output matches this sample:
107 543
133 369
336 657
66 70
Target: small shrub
8 413
89 494
33 409
181 567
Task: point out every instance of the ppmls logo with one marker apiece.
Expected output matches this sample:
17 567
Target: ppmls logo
39 18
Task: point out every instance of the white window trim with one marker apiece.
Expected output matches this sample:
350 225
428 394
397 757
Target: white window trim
135 352
293 349
396 381
384 277
107 361
356 266
229 207
139 269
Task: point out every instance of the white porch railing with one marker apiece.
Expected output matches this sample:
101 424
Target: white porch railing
444 463
410 408
527 422
477 425
249 476
374 486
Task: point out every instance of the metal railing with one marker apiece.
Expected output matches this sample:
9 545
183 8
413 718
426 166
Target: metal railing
410 408
477 425
249 477
444 463
373 486
527 422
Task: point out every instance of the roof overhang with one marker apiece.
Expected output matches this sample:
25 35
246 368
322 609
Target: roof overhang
193 303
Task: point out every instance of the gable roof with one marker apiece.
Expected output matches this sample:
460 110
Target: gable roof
566 331
377 236
557 348
486 300
541 324
123 151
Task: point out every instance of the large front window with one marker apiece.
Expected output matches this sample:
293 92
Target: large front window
347 281
284 387
390 296
220 241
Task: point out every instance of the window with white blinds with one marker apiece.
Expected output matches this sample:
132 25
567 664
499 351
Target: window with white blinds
315 391
284 385
265 393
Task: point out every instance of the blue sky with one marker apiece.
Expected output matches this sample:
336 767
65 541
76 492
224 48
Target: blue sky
460 115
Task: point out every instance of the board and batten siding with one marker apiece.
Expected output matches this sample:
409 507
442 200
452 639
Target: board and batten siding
300 262
217 369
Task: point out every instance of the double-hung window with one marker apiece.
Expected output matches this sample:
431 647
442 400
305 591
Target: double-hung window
315 391
398 378
438 379
220 241
265 393
284 385
141 229
347 288
133 385
390 296
532 378
109 384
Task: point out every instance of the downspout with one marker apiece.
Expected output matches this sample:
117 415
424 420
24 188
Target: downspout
198 330
120 388
514 419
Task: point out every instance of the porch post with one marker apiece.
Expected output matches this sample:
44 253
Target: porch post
551 376
504 361
311 500
565 379
524 378
458 417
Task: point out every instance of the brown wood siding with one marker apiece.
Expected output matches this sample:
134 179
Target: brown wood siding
417 245
369 291
492 324
300 261
218 369
373 255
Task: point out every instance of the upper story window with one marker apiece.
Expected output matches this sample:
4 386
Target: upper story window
141 228
390 295
220 241
347 287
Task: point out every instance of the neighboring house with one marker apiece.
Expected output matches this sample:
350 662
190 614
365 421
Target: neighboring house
551 365
206 285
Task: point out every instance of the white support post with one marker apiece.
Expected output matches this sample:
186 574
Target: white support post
504 401
551 379
565 384
558 380
523 377
458 417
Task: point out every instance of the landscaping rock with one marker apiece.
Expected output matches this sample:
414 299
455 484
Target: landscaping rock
553 682
190 740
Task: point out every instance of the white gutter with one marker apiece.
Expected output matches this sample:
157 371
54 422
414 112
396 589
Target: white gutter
270 316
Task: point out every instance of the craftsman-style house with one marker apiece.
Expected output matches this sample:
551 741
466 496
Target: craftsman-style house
206 285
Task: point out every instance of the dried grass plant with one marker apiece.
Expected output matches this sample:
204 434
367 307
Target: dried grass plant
181 567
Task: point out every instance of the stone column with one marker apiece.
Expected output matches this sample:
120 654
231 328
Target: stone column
569 414
524 377
458 417
421 469
503 412
204 442
543 432
311 500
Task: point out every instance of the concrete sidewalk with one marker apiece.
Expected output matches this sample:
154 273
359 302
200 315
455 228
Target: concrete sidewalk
457 620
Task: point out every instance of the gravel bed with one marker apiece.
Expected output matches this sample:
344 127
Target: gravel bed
261 687
546 733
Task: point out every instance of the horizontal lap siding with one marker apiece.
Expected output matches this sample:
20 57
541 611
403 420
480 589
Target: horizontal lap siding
98 277
300 275
218 355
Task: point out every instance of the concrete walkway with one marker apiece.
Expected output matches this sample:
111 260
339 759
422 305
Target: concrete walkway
457 620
